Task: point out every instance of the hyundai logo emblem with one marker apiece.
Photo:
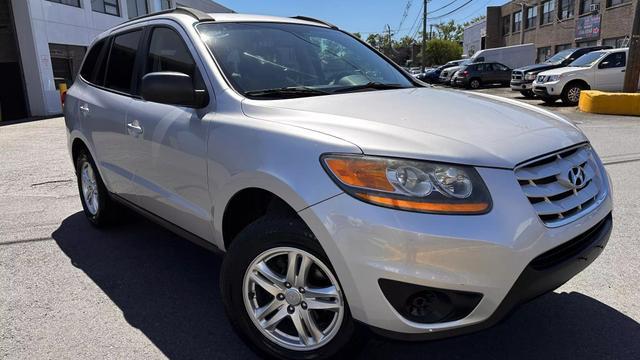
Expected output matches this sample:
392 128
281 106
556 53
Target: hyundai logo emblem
576 177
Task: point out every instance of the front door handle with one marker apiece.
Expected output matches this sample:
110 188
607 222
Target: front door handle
84 108
134 128
622 70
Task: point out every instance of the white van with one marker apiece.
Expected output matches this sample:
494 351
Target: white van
513 56
598 70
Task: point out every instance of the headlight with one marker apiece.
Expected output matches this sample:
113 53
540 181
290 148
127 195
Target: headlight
553 78
410 185
530 76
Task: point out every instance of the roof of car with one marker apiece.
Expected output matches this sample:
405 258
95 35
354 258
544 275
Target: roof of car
188 15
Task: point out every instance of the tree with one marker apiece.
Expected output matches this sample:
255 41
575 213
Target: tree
450 31
474 20
440 51
357 34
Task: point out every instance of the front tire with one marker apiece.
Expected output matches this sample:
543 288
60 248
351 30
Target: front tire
571 93
528 94
282 295
96 202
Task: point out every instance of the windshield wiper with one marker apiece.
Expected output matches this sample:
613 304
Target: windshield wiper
370 85
286 92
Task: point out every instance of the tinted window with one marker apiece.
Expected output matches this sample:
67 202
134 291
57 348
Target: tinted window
613 61
91 61
500 67
167 52
122 61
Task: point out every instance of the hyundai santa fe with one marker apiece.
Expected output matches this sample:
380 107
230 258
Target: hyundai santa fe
349 198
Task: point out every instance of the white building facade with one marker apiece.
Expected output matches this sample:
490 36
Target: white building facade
51 38
474 37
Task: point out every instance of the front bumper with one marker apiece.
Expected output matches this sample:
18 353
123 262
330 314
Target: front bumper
549 90
485 254
520 85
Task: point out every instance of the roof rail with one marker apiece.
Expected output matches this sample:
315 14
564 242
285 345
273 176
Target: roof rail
306 18
196 14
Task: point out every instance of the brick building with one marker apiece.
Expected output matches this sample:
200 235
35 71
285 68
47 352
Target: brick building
554 25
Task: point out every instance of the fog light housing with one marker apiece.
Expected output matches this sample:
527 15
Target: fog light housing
428 305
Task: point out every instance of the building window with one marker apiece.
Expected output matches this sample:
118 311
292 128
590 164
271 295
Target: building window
543 54
566 9
562 47
162 4
532 15
548 12
611 3
110 7
517 21
587 43
137 8
585 6
506 24
75 3
618 42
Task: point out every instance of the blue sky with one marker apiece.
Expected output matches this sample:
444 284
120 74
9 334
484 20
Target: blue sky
365 16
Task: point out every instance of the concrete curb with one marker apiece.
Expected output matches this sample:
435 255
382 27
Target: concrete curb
598 102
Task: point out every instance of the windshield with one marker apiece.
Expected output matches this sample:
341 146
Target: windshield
587 60
559 56
296 60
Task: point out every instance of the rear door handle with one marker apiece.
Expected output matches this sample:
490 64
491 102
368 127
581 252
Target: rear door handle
84 108
134 128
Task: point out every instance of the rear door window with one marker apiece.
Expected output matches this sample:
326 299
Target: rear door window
122 61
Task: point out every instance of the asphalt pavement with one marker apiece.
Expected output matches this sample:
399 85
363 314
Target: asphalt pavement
137 291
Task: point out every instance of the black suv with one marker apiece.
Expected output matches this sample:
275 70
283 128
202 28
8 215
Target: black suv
522 78
475 75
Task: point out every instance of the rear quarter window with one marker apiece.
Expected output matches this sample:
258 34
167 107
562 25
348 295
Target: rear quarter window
92 61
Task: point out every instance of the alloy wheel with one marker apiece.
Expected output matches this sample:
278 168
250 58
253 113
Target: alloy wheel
574 94
89 188
293 298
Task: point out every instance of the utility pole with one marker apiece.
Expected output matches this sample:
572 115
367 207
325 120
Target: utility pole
633 62
522 22
423 53
430 31
389 46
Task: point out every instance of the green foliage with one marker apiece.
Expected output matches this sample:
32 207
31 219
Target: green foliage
357 34
440 51
474 20
450 31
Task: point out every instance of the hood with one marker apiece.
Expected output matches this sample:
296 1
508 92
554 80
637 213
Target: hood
428 123
538 67
451 70
563 70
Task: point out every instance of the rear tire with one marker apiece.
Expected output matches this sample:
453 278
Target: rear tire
474 84
571 93
269 241
96 201
528 94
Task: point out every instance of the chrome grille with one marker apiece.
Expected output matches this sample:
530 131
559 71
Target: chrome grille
564 186
516 75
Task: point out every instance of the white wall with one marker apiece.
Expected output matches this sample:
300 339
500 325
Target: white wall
40 22
472 38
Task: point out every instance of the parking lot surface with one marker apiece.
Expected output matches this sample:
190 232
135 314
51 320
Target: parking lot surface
137 291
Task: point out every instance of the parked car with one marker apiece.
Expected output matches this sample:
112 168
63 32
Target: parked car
446 75
345 194
522 78
513 56
478 74
598 70
432 75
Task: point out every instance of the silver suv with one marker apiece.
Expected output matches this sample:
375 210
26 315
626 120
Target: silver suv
347 196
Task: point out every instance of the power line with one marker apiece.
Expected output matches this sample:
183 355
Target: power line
442 7
451 12
404 15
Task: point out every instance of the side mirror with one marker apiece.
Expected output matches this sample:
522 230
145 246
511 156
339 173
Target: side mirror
603 64
172 88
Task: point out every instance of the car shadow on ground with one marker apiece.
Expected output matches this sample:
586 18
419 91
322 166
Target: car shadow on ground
168 288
